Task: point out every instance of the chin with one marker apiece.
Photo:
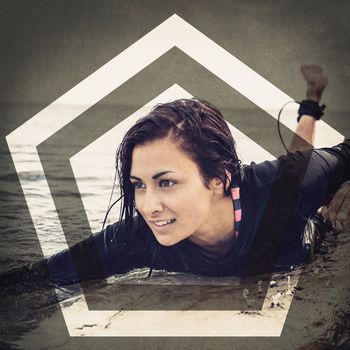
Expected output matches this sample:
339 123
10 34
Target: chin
167 242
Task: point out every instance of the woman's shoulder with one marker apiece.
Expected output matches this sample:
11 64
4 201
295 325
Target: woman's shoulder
291 166
259 174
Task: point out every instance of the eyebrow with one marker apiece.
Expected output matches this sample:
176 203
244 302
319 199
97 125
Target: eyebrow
154 177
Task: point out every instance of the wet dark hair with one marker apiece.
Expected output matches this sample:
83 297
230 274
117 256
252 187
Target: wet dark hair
198 128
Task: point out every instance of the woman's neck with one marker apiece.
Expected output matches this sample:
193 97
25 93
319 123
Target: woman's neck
219 238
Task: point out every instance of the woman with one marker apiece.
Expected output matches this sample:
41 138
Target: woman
189 204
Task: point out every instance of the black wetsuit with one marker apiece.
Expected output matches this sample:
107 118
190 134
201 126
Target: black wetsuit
277 199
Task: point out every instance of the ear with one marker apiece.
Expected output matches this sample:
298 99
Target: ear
216 185
229 178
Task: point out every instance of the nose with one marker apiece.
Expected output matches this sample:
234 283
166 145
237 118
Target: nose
152 203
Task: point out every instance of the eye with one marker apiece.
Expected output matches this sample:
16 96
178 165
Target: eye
167 183
138 185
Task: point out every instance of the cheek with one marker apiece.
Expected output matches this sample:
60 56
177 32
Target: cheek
198 211
138 203
196 208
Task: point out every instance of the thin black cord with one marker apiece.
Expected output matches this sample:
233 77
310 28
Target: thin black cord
278 124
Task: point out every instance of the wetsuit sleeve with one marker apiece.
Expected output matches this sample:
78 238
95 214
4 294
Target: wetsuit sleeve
326 170
284 193
112 251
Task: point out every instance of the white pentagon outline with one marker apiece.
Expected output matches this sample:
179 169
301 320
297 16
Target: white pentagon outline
172 32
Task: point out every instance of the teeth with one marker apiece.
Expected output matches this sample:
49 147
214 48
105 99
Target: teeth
162 223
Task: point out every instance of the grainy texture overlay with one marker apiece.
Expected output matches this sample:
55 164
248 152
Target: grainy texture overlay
47 47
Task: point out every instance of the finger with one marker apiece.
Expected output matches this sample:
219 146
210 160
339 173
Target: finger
334 206
343 214
337 203
324 213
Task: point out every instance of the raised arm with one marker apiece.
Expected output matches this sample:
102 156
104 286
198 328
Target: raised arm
338 210
309 111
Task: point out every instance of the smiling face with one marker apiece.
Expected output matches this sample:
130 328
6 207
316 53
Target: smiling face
170 193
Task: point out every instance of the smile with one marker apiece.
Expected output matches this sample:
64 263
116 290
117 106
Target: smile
163 222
